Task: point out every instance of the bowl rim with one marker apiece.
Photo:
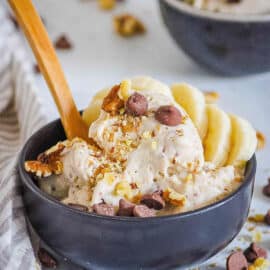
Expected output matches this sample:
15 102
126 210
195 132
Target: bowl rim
218 16
27 180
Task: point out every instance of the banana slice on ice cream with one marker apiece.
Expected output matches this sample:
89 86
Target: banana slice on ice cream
193 101
217 142
244 141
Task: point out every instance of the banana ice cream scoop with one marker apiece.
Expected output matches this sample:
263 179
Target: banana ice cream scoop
149 151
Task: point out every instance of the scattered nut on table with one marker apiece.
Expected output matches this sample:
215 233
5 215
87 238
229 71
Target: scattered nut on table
127 25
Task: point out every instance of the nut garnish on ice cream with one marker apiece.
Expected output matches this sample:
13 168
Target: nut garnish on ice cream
159 152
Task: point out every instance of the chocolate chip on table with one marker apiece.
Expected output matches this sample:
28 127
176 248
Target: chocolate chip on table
36 69
136 105
153 200
266 189
237 261
254 252
104 209
14 20
46 259
79 207
125 208
168 115
267 218
143 211
63 43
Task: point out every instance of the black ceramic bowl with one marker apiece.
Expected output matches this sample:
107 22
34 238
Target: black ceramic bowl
225 43
100 242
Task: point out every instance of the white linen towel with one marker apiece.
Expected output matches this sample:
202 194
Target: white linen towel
20 116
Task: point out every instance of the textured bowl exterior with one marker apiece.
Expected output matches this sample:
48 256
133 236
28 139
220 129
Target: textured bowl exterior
98 242
228 47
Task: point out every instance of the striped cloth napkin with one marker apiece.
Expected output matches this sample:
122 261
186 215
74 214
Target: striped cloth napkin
20 116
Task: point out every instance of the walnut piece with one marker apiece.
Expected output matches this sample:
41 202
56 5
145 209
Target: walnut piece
261 140
112 103
211 97
127 25
47 163
106 4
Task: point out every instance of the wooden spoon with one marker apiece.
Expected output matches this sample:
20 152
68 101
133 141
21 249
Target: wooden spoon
50 67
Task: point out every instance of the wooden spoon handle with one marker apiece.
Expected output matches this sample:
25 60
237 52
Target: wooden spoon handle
50 67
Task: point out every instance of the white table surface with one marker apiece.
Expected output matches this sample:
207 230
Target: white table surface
101 58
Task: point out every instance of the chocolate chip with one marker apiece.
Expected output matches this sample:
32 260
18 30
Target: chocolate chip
237 261
153 200
14 20
143 211
104 209
36 69
254 251
168 115
266 190
267 218
125 208
46 259
136 105
63 43
79 207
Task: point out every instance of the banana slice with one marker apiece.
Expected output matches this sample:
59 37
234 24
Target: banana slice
91 113
217 142
193 101
244 141
147 83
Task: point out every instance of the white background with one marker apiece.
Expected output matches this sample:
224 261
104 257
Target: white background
101 58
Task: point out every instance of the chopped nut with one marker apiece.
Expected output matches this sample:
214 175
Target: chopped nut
146 134
154 145
106 4
174 197
109 178
123 189
125 88
258 218
38 168
261 140
112 103
211 97
127 25
257 236
188 178
259 264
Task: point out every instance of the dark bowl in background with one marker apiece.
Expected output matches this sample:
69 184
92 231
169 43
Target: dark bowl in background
100 242
230 44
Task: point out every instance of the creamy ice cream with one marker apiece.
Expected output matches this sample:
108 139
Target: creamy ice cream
147 144
233 6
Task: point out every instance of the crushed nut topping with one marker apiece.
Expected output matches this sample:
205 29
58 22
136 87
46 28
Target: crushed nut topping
123 189
258 218
127 25
211 97
261 140
125 88
173 197
107 4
